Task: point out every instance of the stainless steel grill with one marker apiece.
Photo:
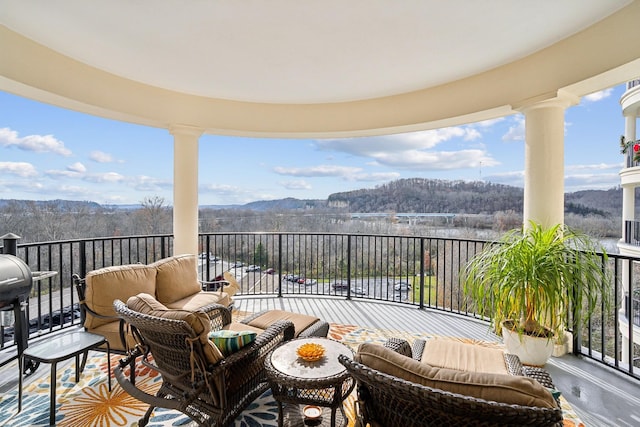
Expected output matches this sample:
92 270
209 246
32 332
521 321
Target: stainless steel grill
16 281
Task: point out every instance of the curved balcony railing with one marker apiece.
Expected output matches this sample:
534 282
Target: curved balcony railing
633 83
420 272
632 232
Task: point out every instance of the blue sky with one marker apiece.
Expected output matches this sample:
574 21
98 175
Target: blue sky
50 153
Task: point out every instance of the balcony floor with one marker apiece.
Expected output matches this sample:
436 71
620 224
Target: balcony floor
599 396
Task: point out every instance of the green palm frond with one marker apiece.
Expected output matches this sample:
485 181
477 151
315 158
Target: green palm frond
532 277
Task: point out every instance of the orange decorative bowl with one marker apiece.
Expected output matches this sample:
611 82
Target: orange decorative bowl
310 352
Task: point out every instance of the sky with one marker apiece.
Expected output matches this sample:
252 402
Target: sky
49 153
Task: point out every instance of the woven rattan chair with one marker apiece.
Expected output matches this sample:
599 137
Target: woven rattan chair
385 400
210 394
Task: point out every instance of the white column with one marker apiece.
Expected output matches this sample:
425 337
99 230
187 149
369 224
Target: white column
185 189
544 161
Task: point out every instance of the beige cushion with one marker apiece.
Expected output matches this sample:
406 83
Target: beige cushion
451 354
300 321
198 300
105 285
111 332
239 327
177 277
233 287
510 389
197 320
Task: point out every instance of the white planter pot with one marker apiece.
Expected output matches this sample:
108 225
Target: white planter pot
531 350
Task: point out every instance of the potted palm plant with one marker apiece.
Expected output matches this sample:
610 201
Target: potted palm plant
527 281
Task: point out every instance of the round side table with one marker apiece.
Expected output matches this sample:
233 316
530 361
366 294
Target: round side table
324 383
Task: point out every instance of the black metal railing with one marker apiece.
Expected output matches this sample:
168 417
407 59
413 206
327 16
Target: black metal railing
420 272
633 83
632 232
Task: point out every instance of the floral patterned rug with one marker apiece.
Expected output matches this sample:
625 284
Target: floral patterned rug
89 402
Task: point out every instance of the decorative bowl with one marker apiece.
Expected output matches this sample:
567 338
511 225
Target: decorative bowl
312 412
310 352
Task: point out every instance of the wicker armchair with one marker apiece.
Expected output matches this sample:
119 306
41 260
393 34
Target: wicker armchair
210 394
386 400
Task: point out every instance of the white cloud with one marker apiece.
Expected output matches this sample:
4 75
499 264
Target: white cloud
319 171
62 174
101 157
33 143
437 160
345 173
598 96
597 166
296 185
375 177
221 189
77 167
370 146
148 184
516 131
22 169
109 177
489 123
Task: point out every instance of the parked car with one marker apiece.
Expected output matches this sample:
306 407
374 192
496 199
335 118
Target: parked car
270 271
402 286
309 282
358 291
205 255
340 285
237 264
253 268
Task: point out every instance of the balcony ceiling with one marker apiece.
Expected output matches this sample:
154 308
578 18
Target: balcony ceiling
313 68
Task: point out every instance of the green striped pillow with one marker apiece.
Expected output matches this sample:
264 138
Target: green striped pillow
231 341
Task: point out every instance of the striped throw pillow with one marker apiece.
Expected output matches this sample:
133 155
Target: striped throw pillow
229 342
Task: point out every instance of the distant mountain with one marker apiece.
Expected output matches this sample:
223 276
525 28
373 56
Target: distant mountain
476 197
404 195
430 195
58 204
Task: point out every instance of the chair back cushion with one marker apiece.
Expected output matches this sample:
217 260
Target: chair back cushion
233 286
509 389
177 277
105 285
197 320
451 354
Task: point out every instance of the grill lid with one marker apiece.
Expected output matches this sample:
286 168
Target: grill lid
15 279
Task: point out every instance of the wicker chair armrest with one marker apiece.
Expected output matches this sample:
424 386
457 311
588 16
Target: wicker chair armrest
280 331
399 346
318 329
538 374
219 315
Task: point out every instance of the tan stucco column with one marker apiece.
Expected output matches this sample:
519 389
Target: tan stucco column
185 189
544 160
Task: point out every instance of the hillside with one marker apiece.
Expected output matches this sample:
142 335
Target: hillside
404 195
428 195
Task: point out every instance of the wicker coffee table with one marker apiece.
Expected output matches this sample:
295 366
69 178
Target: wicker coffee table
325 383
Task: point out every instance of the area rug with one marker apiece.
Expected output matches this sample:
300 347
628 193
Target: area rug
89 402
